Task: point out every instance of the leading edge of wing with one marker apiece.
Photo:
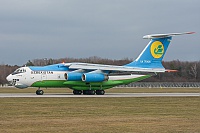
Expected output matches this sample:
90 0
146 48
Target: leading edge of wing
88 66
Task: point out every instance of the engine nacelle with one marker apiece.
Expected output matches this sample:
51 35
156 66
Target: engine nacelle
73 76
94 77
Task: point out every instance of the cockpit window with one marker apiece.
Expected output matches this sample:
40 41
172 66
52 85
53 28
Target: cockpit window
20 70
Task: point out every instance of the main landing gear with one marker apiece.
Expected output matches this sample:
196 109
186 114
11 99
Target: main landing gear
39 92
89 92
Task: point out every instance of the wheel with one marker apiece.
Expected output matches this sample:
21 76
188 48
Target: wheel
88 92
77 92
85 92
100 92
39 92
92 92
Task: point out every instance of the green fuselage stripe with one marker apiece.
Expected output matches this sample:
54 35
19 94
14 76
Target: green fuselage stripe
80 85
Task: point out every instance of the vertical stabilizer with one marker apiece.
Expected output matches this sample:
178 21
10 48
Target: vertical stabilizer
153 53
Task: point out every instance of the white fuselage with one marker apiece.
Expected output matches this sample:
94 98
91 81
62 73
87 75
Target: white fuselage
24 77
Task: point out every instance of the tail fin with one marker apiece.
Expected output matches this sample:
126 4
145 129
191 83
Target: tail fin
153 53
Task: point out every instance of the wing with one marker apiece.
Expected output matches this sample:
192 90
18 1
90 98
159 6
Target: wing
138 65
111 68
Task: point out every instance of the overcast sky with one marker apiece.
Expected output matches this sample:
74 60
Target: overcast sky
32 29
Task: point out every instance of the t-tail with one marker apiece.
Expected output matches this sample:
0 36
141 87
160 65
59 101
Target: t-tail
153 53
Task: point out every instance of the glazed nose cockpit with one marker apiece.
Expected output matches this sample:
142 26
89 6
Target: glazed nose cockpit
9 78
15 77
18 71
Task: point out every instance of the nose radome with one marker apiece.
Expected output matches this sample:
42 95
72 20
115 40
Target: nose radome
8 78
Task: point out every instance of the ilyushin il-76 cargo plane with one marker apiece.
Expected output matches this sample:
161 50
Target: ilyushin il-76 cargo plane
90 79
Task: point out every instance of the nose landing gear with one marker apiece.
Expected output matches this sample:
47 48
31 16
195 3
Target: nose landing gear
39 92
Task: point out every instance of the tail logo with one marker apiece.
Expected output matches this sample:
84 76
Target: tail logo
157 49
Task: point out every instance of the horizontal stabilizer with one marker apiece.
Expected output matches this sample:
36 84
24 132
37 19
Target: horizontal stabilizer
152 36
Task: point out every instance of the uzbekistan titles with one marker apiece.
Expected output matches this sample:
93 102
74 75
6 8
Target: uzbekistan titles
41 72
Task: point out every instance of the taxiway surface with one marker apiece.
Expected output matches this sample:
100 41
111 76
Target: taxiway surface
23 95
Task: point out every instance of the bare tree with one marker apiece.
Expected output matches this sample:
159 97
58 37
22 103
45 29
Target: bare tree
193 71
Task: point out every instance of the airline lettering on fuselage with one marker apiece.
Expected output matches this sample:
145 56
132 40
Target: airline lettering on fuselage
41 72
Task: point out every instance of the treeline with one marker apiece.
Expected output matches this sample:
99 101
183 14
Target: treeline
187 71
5 70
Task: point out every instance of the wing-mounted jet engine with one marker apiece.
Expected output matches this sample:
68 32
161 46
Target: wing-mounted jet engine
74 75
95 76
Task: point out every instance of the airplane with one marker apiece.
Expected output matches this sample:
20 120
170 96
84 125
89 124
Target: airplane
91 79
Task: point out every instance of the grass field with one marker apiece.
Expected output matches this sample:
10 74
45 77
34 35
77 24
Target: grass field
100 115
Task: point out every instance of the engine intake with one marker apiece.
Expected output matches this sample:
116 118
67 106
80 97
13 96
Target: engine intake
73 76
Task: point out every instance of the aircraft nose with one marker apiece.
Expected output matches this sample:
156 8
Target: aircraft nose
9 78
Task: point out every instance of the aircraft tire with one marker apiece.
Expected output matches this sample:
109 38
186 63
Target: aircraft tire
92 92
84 92
88 92
100 92
39 92
77 92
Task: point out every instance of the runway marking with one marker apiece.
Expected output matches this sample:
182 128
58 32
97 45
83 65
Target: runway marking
29 95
